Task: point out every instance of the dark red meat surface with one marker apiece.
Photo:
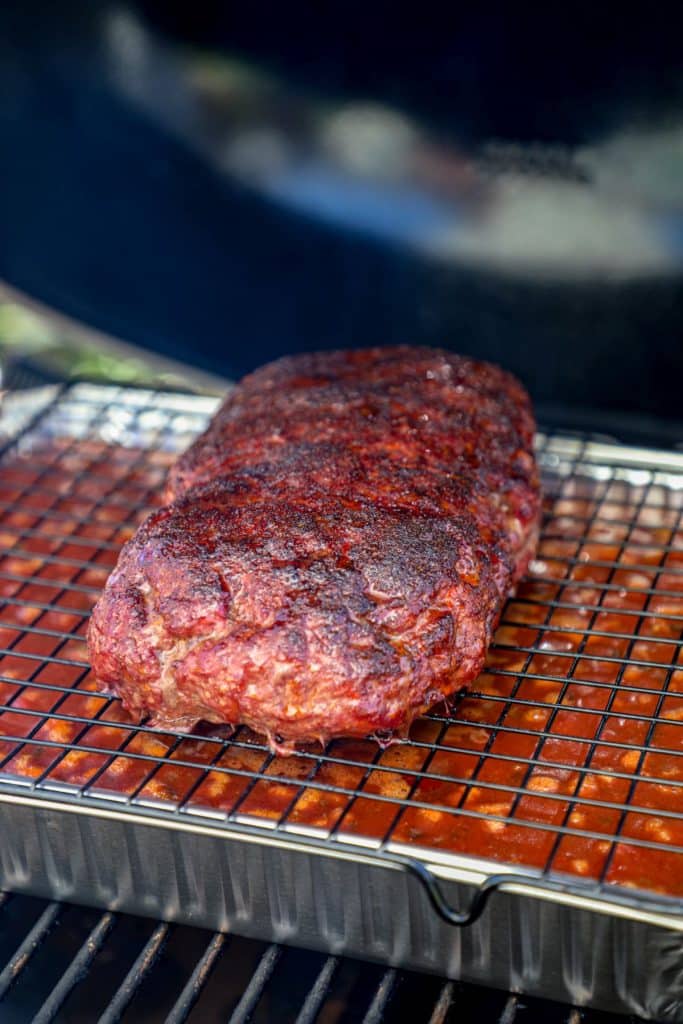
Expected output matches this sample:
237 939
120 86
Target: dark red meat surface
336 552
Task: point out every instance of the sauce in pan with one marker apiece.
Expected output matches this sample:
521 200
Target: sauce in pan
568 756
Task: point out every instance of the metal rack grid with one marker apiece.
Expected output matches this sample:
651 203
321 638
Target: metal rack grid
567 760
66 963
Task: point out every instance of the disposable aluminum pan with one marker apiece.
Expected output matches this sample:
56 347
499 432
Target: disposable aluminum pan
527 837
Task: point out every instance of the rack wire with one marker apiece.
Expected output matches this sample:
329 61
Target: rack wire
566 758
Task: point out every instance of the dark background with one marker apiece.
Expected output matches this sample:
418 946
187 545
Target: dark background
115 209
529 72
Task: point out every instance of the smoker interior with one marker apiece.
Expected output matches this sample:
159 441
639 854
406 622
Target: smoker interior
72 965
66 507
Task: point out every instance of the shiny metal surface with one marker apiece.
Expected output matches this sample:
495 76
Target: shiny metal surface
588 942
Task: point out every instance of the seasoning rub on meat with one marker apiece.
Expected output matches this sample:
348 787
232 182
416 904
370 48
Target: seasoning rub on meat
336 551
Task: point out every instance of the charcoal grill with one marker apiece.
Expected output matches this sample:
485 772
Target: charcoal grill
543 812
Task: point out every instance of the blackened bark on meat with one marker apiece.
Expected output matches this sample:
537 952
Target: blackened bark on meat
336 551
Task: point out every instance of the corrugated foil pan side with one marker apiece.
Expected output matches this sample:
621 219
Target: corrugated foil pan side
342 905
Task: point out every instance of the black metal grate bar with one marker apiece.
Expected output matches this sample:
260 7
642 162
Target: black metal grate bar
84 991
76 970
443 1004
195 983
318 992
256 986
33 941
509 1010
136 975
381 998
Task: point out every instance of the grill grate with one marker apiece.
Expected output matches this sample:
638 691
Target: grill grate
75 966
568 758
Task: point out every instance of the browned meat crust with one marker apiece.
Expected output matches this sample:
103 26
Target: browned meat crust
338 551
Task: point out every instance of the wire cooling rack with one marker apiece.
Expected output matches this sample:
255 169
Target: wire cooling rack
567 757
